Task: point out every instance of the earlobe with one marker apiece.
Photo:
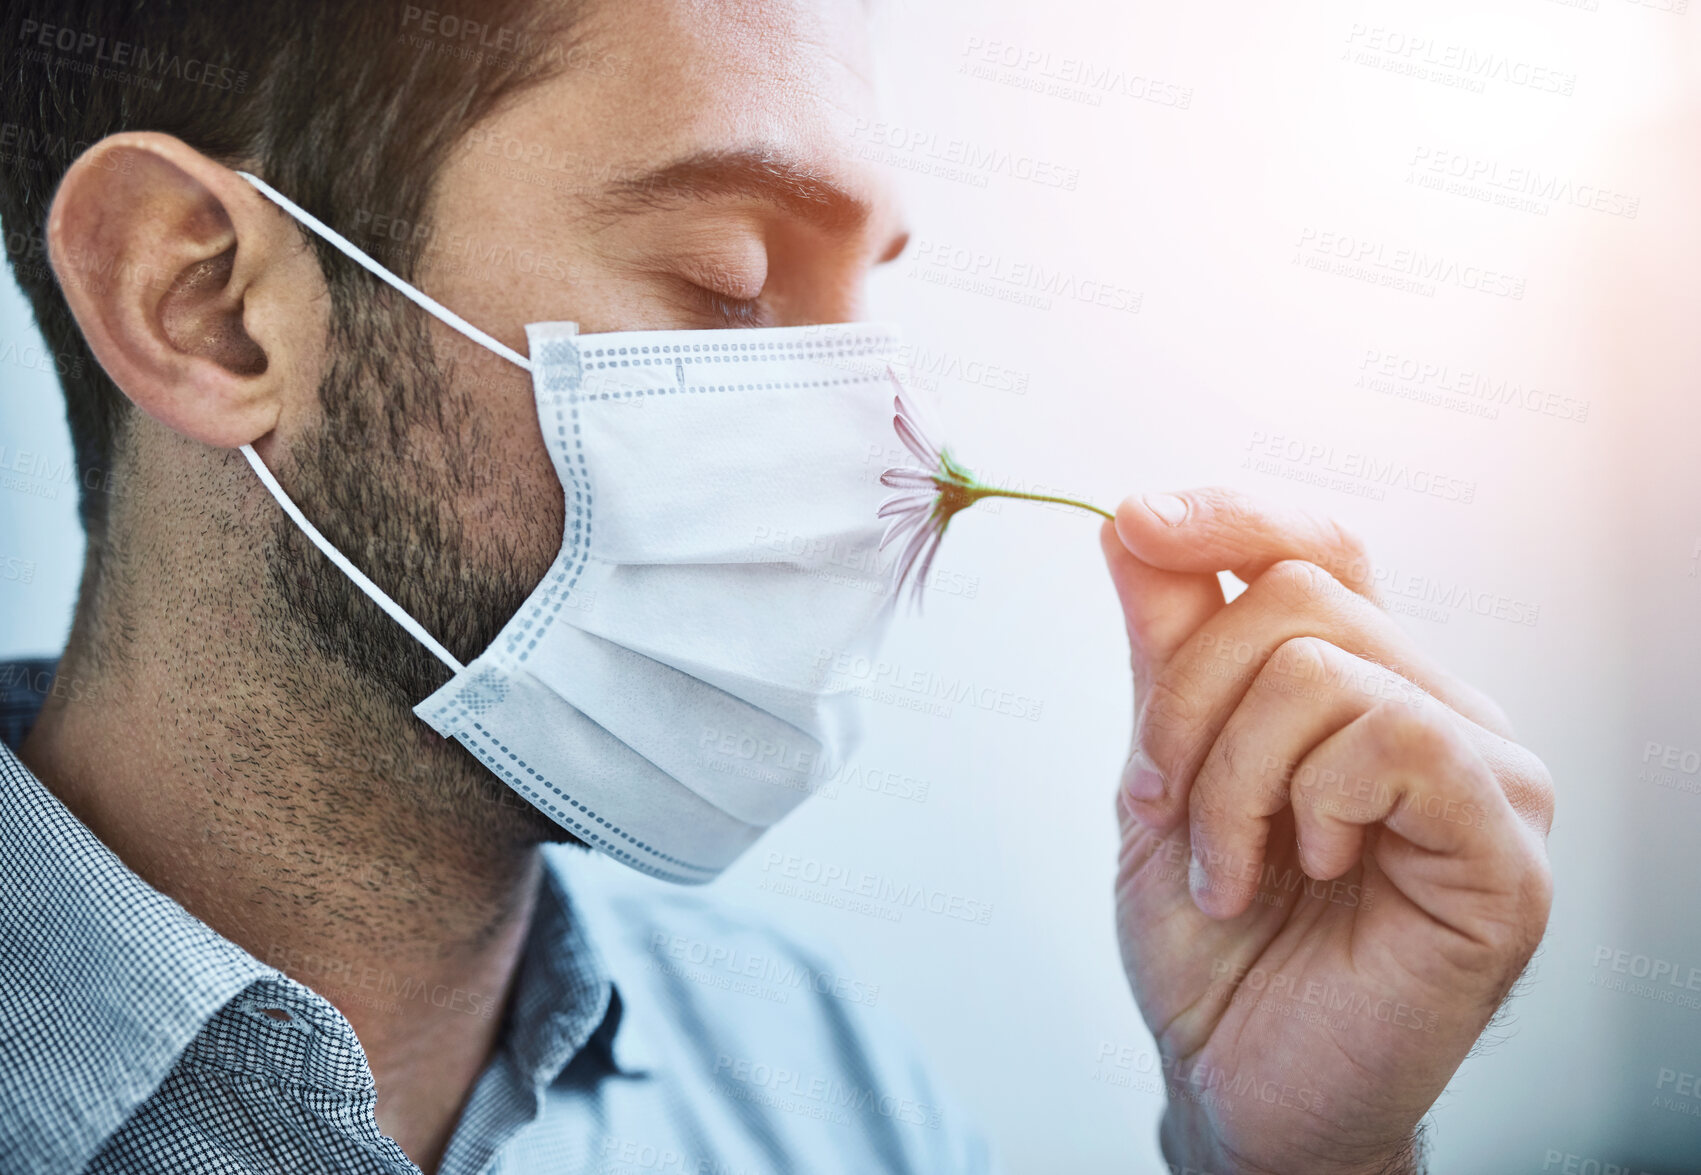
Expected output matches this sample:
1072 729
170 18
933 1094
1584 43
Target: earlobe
195 296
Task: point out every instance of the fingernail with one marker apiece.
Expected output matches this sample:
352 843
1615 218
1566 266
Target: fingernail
1144 780
1171 509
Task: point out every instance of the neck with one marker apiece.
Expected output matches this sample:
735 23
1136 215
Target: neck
286 822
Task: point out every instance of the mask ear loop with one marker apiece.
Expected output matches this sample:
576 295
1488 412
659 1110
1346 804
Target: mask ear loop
443 314
377 594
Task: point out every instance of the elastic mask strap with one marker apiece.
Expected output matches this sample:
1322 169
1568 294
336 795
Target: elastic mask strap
396 611
433 307
448 318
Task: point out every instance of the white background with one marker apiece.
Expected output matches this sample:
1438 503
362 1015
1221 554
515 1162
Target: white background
1593 526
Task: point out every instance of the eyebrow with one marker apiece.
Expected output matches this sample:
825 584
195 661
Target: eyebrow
770 177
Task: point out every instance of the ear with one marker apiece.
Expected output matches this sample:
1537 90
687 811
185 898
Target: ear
196 294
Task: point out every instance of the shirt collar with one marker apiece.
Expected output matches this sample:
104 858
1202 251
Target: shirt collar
104 981
565 997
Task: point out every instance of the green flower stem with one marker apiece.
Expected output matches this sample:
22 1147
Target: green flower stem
986 492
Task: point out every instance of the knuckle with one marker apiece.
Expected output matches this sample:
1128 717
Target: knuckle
1299 658
1529 788
1222 508
1346 546
1167 720
1402 733
1296 584
1223 766
1221 781
1207 810
1349 558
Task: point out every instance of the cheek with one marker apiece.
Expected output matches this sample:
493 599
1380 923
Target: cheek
522 509
507 501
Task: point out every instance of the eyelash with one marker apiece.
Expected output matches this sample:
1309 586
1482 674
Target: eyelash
733 312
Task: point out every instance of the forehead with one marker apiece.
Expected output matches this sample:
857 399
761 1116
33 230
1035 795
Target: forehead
649 80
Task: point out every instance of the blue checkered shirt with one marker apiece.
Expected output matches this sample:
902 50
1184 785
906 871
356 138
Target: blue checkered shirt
647 1034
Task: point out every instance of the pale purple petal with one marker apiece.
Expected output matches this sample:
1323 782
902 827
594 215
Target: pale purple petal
926 566
903 503
918 584
918 540
899 525
901 401
914 442
904 477
902 524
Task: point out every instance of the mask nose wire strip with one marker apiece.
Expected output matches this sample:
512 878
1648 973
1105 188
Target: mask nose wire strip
396 611
441 312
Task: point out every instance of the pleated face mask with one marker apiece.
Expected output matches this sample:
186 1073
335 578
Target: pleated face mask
667 692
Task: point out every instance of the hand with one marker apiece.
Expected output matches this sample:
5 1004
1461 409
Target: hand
1333 862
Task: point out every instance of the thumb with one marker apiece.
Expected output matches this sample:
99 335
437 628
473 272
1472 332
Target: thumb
1162 608
1220 529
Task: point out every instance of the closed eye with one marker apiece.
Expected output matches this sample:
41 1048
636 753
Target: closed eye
729 311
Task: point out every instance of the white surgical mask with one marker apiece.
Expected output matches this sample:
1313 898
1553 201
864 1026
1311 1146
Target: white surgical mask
665 692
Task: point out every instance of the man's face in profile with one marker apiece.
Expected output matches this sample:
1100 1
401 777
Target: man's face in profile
686 166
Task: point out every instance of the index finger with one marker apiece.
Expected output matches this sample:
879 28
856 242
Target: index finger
1220 529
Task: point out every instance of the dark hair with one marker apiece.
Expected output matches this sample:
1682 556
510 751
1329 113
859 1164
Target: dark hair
345 107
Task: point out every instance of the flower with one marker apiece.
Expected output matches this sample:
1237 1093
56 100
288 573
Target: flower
929 497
